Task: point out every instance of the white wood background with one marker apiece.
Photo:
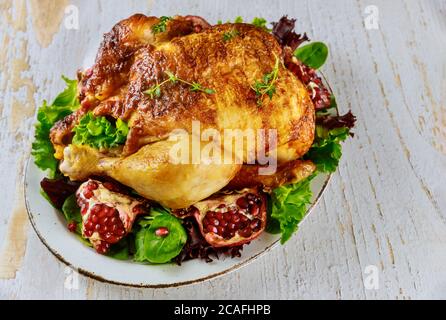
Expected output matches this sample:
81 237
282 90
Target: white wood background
385 207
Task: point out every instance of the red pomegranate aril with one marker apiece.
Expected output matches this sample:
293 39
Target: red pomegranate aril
254 210
227 216
246 232
96 209
89 225
242 203
229 234
251 196
162 232
222 206
139 209
206 221
219 216
220 230
214 221
223 223
72 226
88 233
235 218
88 194
231 226
84 209
212 229
255 224
94 218
243 218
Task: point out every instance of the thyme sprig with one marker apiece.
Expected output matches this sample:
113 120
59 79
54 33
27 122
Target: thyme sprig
230 35
155 90
162 25
267 85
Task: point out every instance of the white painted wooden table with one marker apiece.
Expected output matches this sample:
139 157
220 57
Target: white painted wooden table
386 206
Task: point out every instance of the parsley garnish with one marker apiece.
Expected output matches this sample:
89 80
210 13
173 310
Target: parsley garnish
267 85
231 34
155 91
162 25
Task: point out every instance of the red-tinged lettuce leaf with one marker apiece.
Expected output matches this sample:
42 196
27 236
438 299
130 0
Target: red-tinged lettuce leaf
285 34
196 246
332 122
58 190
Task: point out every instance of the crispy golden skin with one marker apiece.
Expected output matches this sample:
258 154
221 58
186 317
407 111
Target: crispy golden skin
132 59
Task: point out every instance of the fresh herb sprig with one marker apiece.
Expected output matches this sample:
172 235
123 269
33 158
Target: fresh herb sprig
155 90
162 25
267 85
230 35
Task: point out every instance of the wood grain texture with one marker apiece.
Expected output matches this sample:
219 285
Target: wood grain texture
386 205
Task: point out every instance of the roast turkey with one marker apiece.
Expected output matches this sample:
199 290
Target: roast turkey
135 56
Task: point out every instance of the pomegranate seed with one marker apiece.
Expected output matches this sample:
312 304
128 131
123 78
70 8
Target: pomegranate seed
235 218
212 229
219 216
227 216
242 203
138 209
96 208
72 226
214 221
88 194
255 224
88 233
246 232
162 232
254 210
222 206
220 230
232 226
84 209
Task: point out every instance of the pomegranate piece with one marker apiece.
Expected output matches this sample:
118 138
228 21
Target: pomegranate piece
162 232
72 226
107 215
232 220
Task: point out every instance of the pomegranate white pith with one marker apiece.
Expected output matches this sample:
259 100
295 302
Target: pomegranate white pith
107 215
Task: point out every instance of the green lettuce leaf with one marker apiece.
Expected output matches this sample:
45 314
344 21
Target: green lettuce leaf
98 132
72 212
313 55
289 206
155 249
47 115
327 150
289 203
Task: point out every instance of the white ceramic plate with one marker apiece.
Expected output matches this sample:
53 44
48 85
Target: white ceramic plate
51 228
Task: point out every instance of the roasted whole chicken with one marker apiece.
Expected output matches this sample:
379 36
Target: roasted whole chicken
201 73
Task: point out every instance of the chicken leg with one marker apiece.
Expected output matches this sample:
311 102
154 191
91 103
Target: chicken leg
151 173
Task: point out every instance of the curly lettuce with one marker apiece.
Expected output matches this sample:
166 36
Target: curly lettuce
47 115
99 132
289 203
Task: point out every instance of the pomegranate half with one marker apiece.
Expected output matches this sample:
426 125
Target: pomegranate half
230 220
